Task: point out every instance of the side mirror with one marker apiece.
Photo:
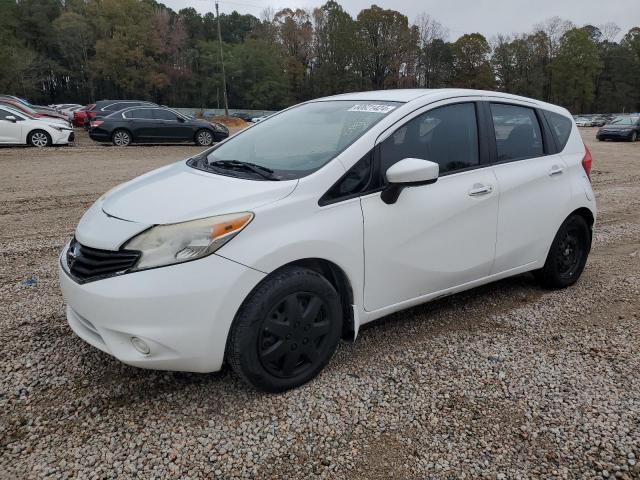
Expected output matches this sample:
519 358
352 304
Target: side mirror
11 118
410 172
180 119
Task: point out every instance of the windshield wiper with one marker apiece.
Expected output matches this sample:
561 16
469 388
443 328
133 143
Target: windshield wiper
264 172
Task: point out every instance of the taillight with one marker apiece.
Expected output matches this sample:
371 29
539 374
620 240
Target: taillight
96 123
586 162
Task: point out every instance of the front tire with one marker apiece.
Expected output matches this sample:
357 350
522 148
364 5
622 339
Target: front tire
204 138
121 138
567 255
286 331
39 138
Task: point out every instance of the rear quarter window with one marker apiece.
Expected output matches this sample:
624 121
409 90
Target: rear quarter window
560 128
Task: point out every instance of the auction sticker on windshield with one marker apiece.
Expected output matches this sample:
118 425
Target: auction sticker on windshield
371 108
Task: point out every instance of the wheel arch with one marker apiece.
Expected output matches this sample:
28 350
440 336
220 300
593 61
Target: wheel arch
585 213
37 129
338 279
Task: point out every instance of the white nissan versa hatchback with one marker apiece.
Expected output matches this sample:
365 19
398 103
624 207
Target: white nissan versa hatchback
267 248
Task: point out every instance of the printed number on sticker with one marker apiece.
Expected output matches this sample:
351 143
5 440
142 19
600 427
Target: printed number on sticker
370 108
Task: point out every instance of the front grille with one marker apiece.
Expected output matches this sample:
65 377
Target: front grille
86 263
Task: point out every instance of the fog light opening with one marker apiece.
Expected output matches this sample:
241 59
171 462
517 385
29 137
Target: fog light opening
140 345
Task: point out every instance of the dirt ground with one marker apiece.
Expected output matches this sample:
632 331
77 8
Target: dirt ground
505 381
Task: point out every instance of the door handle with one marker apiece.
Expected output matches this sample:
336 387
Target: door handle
478 190
556 170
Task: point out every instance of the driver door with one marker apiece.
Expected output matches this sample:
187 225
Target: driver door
170 127
436 236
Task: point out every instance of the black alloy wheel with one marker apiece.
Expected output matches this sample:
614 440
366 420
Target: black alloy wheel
294 335
568 254
286 331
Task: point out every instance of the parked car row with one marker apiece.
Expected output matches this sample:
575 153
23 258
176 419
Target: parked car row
624 127
34 111
121 122
612 127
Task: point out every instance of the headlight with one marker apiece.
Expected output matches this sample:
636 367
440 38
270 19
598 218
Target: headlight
181 242
219 127
61 128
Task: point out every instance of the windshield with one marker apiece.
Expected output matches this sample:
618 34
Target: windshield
625 121
299 141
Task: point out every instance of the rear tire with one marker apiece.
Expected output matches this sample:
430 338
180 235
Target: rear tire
286 331
39 138
634 137
121 138
567 255
204 138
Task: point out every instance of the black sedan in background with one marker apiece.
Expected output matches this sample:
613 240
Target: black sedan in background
626 127
155 125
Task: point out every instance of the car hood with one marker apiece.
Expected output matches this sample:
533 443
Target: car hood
179 193
618 127
54 120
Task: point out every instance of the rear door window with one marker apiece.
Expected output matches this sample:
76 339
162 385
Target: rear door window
139 114
517 131
160 114
560 128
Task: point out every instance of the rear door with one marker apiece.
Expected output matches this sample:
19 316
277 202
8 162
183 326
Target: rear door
435 236
534 187
141 123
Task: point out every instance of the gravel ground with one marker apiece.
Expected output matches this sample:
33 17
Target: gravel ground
504 381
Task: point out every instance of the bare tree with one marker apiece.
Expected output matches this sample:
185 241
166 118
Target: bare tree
553 28
430 29
431 37
610 31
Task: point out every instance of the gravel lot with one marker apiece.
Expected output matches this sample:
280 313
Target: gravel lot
505 381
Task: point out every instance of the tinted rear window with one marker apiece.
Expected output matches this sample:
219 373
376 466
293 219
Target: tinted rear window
560 127
159 114
142 113
518 134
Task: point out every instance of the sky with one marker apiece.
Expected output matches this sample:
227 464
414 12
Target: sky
488 17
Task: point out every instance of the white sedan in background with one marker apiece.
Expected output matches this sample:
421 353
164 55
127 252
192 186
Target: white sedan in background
17 128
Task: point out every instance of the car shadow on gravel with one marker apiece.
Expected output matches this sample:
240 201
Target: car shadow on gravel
473 310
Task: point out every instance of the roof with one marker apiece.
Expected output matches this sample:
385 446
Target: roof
407 95
395 95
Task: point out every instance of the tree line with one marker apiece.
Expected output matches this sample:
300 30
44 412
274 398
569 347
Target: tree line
53 51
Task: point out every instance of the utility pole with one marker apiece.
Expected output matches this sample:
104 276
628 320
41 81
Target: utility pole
224 78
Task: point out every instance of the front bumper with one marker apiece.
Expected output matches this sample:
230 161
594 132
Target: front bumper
182 312
613 135
62 137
